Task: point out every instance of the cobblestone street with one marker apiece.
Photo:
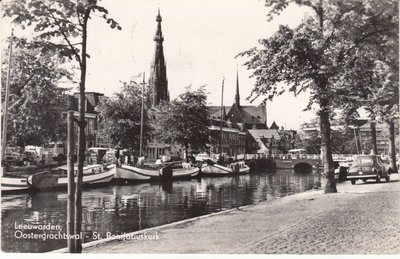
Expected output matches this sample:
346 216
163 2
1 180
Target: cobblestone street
360 219
365 225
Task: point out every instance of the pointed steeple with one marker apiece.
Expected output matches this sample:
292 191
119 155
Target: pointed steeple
237 97
158 36
274 126
158 75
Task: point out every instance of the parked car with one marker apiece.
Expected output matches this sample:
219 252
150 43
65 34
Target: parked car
368 167
14 159
58 150
341 170
29 158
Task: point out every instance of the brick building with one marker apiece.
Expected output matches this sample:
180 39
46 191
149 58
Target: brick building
91 117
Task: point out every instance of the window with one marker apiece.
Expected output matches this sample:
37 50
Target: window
364 160
91 127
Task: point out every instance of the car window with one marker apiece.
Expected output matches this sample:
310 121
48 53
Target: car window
364 160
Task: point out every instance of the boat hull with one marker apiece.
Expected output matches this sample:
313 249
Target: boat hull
131 173
219 170
216 170
13 184
47 180
185 173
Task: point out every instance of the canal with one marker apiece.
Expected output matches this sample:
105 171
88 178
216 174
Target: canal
126 208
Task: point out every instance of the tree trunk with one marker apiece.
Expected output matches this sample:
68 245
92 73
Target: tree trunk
81 138
373 135
186 153
392 146
71 183
325 125
326 148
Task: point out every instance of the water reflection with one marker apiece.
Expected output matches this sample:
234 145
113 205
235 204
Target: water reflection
122 209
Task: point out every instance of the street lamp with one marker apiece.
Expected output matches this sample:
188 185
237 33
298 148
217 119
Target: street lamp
355 137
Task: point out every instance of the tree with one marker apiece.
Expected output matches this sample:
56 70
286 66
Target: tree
387 96
37 103
314 55
343 142
311 142
184 121
375 77
120 117
57 24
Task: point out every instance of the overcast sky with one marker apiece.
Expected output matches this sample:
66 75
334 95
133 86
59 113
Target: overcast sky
202 39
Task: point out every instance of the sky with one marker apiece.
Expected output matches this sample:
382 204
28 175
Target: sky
201 40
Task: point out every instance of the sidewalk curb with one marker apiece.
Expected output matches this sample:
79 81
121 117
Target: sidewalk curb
120 238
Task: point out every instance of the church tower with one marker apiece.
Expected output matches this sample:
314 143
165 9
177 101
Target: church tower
158 75
237 97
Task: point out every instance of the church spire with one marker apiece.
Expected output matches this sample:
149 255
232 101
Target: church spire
237 97
158 36
158 75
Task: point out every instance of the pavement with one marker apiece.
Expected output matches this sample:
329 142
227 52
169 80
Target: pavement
359 219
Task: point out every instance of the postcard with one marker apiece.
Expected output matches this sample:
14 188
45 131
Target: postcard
200 127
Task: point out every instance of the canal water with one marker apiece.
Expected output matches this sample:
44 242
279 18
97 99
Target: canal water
118 209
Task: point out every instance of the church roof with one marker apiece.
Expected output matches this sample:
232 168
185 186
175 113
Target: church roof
264 133
252 114
249 115
274 126
215 111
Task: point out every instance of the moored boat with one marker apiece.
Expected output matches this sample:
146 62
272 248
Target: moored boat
93 175
214 169
182 173
131 173
11 184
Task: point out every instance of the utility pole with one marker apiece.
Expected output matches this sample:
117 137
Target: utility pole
222 107
5 111
141 119
71 182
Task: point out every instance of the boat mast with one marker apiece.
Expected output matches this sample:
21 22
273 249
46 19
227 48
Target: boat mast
222 107
5 111
141 119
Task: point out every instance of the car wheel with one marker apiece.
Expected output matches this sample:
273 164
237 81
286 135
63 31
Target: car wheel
353 181
364 181
387 178
378 178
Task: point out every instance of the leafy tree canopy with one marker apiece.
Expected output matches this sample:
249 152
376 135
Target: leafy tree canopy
121 117
315 54
37 103
57 23
184 121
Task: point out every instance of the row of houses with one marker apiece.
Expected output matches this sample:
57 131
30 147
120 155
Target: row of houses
362 133
244 130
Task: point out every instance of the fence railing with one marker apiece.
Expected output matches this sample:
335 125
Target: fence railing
292 156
